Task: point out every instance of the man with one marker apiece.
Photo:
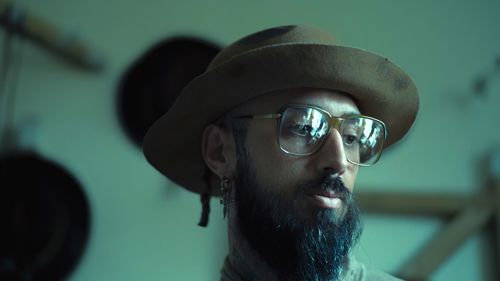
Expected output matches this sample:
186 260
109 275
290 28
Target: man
278 126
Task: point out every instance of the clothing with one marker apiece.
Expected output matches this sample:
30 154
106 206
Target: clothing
355 271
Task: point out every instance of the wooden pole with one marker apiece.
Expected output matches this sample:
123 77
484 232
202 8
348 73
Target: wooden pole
446 241
417 204
495 180
20 22
496 226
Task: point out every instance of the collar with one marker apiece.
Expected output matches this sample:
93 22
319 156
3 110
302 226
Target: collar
353 271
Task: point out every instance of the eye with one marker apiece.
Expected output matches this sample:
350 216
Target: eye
350 139
306 125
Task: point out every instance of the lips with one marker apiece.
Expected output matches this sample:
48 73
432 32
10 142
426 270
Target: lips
326 199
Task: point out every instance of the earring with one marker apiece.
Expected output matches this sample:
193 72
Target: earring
225 188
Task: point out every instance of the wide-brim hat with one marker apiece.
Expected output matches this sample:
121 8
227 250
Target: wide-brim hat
266 61
151 84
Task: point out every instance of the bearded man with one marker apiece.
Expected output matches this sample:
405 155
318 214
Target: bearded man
278 126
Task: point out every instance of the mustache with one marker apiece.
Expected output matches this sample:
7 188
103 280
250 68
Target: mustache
326 183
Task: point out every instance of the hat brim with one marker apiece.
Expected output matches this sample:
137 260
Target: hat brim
379 87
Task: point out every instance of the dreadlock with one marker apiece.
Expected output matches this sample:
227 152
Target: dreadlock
205 196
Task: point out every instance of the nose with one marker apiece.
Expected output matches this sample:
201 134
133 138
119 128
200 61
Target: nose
332 156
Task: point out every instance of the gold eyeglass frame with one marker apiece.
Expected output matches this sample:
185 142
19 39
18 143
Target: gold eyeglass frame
333 122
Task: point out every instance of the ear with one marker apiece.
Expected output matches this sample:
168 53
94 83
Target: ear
218 150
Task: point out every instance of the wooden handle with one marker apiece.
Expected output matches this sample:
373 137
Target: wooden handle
417 204
445 242
20 22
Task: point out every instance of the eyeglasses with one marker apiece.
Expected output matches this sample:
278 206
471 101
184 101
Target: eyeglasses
302 130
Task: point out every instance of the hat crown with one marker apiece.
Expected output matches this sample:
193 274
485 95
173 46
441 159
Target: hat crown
290 34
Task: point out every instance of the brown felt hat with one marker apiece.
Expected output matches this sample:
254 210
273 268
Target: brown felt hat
274 59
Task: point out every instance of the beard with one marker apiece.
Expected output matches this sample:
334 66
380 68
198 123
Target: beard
296 246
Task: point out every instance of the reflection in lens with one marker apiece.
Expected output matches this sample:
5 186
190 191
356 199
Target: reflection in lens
302 131
371 141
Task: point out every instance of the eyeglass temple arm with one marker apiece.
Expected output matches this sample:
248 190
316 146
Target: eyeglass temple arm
263 116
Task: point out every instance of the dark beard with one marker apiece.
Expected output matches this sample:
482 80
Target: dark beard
296 249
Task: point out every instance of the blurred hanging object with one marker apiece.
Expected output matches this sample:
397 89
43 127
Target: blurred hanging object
44 218
10 65
151 84
44 213
20 22
480 85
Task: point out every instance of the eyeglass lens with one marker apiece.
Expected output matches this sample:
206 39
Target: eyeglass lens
303 130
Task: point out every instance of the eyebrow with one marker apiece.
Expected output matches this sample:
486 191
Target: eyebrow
350 113
276 113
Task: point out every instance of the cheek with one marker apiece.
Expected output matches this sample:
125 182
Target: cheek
350 175
278 172
271 164
262 145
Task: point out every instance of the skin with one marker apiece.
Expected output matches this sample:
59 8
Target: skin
276 168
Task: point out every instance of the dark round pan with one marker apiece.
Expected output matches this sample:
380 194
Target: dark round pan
44 217
152 83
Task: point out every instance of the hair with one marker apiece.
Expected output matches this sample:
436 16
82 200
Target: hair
205 196
294 248
239 129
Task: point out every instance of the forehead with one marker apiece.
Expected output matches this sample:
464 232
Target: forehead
335 102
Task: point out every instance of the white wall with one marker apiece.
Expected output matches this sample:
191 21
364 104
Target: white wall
144 228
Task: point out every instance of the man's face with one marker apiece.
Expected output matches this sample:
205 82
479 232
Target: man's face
296 211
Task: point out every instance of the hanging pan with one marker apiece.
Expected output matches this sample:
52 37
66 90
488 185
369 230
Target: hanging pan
151 84
44 217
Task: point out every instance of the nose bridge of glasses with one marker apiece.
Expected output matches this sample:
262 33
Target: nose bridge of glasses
335 122
336 134
333 146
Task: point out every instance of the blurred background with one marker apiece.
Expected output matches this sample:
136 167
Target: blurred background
142 227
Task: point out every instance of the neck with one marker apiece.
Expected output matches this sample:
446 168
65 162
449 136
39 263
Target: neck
243 262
